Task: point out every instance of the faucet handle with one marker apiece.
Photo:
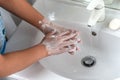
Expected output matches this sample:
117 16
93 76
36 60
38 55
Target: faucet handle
95 4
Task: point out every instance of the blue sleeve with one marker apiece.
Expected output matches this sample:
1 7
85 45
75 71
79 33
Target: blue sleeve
2 36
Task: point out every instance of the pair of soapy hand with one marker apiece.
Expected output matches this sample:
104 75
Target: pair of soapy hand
58 39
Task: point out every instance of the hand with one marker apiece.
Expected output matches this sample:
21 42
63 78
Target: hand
48 26
60 43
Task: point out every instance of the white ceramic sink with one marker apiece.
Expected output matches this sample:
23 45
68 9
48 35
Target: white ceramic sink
103 48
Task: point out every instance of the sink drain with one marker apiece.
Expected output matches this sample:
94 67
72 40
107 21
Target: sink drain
88 61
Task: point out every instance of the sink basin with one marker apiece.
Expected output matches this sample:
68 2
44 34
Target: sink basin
104 48
98 58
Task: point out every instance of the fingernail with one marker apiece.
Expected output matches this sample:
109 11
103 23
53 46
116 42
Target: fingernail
78 48
73 50
71 53
79 40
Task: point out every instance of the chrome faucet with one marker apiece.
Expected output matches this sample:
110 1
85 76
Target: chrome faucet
98 12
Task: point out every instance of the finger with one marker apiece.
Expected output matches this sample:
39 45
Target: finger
73 49
78 49
64 50
63 33
69 36
70 49
76 37
78 33
68 43
71 53
51 33
78 40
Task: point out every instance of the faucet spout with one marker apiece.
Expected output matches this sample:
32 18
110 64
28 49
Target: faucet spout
98 12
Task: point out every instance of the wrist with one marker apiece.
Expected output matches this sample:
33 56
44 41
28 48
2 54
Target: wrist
45 50
48 51
46 26
41 51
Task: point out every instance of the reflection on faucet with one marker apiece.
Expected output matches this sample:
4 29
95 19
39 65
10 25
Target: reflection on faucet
98 12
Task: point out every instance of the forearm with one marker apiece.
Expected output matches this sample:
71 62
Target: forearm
19 60
24 10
